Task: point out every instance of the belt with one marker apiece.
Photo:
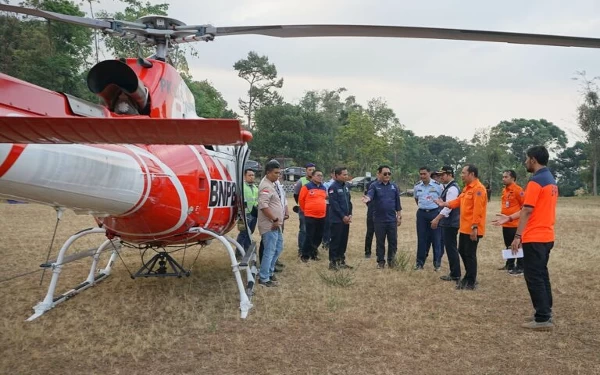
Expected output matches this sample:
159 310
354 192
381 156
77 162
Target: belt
426 210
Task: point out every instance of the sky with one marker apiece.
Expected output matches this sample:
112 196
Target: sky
435 87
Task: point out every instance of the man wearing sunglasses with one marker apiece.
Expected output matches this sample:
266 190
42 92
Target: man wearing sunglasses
387 215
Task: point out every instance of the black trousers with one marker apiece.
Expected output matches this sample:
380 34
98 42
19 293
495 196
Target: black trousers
314 235
535 260
389 231
509 236
468 252
449 234
369 235
339 242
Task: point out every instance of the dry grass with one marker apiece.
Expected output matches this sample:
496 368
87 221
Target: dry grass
385 322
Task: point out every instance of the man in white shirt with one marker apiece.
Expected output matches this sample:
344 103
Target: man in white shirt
449 220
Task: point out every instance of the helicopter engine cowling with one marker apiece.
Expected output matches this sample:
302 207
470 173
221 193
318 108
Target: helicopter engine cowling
110 79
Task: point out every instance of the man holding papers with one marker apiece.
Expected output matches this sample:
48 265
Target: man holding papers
536 235
512 201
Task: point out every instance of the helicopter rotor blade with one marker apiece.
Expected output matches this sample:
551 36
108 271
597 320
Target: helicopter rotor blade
304 31
75 20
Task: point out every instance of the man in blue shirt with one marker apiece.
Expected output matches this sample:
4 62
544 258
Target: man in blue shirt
370 225
384 196
426 193
340 217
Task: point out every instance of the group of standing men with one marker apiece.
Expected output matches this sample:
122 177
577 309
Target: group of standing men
444 213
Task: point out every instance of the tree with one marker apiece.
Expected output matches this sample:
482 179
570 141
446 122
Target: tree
262 77
280 129
569 168
209 101
488 153
383 117
518 135
49 54
588 117
362 148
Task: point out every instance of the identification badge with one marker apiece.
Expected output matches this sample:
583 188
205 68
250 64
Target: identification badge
507 204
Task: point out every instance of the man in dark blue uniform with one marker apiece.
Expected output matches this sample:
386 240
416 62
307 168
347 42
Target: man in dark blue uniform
384 196
340 215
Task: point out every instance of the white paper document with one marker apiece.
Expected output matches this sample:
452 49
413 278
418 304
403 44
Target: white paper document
507 254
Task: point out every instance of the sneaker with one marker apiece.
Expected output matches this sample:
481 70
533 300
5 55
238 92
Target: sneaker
449 278
516 272
464 285
418 267
368 256
315 258
279 264
437 269
539 326
333 266
380 265
277 269
344 265
391 263
274 278
304 259
268 284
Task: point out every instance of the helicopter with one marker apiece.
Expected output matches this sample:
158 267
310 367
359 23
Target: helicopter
151 173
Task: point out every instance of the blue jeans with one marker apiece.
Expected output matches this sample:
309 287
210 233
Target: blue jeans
243 237
273 242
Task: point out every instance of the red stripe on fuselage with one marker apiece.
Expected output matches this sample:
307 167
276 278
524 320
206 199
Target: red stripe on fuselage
11 159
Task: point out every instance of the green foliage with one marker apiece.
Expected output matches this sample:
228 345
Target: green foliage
209 101
588 117
570 169
262 77
48 54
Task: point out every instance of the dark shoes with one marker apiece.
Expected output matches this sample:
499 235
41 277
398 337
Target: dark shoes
450 278
380 265
465 285
268 284
516 272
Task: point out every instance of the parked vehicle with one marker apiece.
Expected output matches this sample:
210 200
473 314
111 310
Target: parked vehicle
358 183
254 165
294 173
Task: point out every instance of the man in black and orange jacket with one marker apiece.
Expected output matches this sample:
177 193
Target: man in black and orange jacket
312 201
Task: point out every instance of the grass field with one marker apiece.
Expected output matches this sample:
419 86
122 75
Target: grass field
384 322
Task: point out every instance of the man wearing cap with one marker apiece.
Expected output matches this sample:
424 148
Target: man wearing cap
310 168
426 193
473 206
449 220
513 197
384 196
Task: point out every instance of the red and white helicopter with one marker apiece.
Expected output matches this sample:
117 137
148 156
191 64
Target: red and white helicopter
149 171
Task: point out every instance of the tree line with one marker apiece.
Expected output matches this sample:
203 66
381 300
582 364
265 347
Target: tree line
327 127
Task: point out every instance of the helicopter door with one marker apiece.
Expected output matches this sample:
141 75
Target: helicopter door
241 154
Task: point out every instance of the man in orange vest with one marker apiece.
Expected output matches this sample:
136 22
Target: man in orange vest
312 201
512 201
473 206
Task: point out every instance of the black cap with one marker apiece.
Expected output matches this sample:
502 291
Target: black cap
446 169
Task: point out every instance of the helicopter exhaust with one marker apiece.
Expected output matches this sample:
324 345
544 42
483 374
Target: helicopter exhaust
110 79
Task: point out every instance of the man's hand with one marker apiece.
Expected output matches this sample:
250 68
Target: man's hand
347 219
441 203
434 223
502 219
398 220
473 235
366 199
515 245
